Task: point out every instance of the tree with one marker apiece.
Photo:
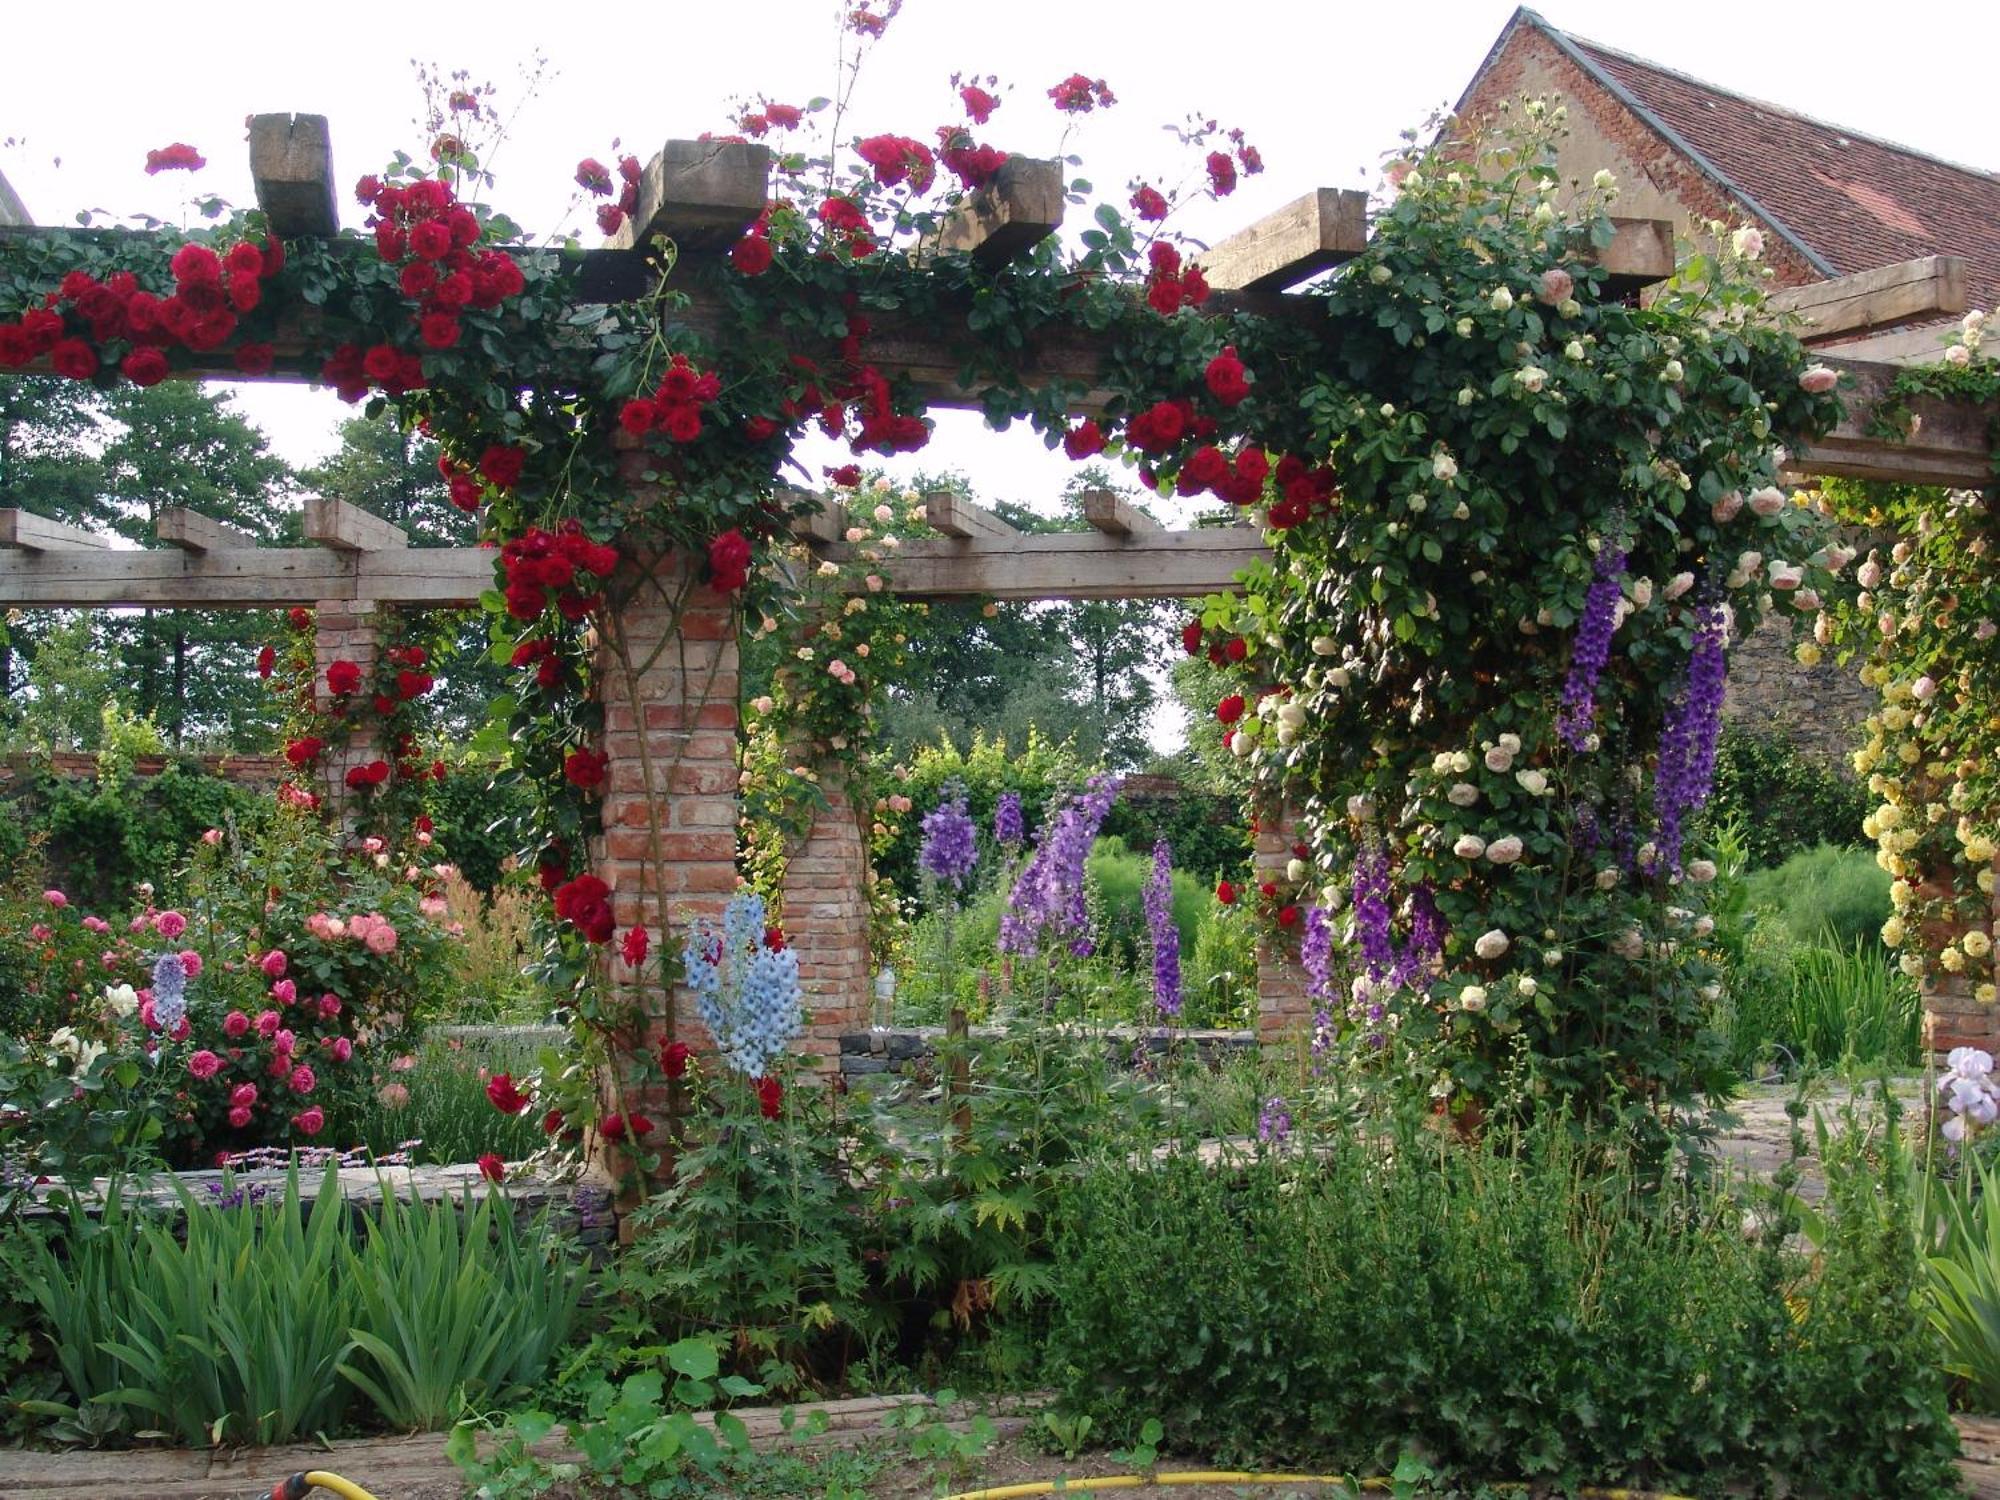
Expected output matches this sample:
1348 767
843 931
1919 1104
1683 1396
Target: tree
49 429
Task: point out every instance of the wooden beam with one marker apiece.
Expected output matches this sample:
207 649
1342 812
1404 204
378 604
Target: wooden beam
348 528
825 526
1324 228
1928 288
1951 447
243 577
701 195
1641 254
1114 515
12 209
25 531
958 517
1008 217
192 531
1073 565
291 163
1910 346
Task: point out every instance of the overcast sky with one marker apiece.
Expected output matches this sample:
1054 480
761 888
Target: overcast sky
1321 88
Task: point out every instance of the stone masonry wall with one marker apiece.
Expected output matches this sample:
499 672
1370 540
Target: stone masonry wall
345 630
825 913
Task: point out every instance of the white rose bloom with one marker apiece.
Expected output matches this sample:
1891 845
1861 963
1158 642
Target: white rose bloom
1531 378
1490 945
1511 743
1785 576
1958 356
1534 783
1704 925
1325 645
1460 762
1504 851
1339 677
1701 871
1360 807
1499 759
1604 181
1292 716
1677 585
1444 466
1923 689
1607 878
1747 242
1462 794
1629 944
1642 593
1501 299
1672 372
1472 997
1464 326
1574 350
1295 870
1469 846
123 998
1527 986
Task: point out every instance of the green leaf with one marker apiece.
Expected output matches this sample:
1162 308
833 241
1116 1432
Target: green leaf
694 1358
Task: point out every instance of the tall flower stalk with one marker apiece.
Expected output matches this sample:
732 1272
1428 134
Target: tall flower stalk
1686 771
1576 717
1049 902
1166 937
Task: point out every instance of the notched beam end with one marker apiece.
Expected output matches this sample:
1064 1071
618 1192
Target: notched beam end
1008 217
291 163
701 195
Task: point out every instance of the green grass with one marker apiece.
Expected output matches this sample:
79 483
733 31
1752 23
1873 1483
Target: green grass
447 1109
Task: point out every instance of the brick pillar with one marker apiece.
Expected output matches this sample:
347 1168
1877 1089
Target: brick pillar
345 630
1283 1011
825 903
675 723
1953 1014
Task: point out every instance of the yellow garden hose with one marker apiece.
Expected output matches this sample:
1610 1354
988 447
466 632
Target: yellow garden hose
1218 1476
301 1485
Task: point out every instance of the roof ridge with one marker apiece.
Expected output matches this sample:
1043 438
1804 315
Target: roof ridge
1984 173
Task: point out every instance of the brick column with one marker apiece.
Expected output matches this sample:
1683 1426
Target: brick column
1283 1011
1953 1015
670 739
345 630
825 902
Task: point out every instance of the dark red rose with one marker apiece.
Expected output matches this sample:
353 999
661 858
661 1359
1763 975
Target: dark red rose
585 768
267 662
254 359
751 255
770 1098
633 948
681 422
74 359
502 464
179 157
729 561
144 367
196 265
979 105
610 218
244 259
1205 469
304 750
418 277
1225 893
552 1122
342 677
1148 204
464 491
504 1096
1221 174
1084 440
439 330
593 176
431 240
1225 376
1235 648
674 1059
491 1167
1191 637
1230 709
1288 916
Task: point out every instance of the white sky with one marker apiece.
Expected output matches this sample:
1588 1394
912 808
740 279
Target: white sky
1322 88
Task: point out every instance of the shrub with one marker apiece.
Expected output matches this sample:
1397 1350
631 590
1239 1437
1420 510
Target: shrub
1506 1310
1788 801
1040 771
1828 894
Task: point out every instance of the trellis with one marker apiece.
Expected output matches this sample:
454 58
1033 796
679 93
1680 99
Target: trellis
702 196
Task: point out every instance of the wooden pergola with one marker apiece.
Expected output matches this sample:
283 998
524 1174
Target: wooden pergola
703 195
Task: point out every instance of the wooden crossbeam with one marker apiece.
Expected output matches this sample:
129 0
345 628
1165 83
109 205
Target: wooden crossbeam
1074 565
348 528
243 577
291 163
1909 346
1008 217
25 531
1114 515
1641 254
192 531
1925 289
1951 447
824 526
958 517
1324 228
12 209
700 194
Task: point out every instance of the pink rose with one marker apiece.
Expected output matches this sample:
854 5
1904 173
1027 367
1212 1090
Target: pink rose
358 927
41 932
96 924
146 1016
183 1029
394 1095
329 1006
284 1042
381 938
169 924
191 963
433 907
1818 380
273 963
1726 506
204 1064
302 1080
212 837
309 1121
239 1118
373 845
342 1049
55 898
1556 285
235 1025
243 1096
403 1064
284 992
267 1024
316 924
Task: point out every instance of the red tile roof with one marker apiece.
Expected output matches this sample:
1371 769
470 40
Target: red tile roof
1854 201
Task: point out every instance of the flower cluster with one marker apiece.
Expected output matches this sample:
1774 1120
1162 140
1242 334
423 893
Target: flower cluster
950 849
1048 903
746 985
563 568
1163 935
1970 1093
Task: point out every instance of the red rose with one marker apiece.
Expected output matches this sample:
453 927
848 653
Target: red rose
1225 378
491 1167
74 358
368 189
502 464
1268 889
681 422
729 561
1288 916
1236 648
593 176
431 240
465 492
299 617
439 330
633 949
304 750
1205 469
552 1122
1230 709
244 259
14 349
42 328
770 1097
267 661
847 476
610 218
585 769
1148 204
1191 637
254 359
774 939
751 255
145 367
414 684
418 278
1084 440
504 1096
179 157
196 265
674 1058
342 678
612 1127
1225 893
638 416
979 105
1221 174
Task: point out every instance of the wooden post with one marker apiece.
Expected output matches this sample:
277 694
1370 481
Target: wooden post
958 1083
291 164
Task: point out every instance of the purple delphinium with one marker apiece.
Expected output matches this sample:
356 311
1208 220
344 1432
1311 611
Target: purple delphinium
950 848
1427 935
1009 831
1165 935
1372 913
1316 953
1577 713
1048 899
1274 1121
1686 770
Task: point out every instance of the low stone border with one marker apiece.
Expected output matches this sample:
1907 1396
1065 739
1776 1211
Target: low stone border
390 1467
911 1049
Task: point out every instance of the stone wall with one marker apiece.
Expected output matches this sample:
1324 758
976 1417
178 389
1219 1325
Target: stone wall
825 913
1819 709
911 1051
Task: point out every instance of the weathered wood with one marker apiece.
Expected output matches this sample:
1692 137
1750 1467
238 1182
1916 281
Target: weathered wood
348 528
824 526
1114 515
1641 254
701 195
1909 291
1324 228
1008 217
956 516
243 578
1952 446
192 531
12 210
28 532
1910 346
291 163
1072 565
